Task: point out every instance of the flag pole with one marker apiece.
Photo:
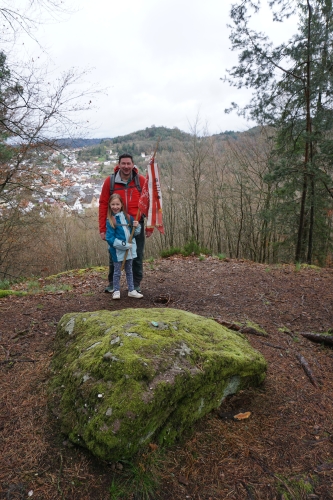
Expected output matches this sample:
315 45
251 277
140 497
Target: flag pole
138 213
156 148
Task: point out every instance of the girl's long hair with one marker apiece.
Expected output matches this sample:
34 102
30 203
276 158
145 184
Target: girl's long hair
111 217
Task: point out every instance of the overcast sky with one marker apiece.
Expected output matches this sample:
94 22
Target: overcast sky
160 61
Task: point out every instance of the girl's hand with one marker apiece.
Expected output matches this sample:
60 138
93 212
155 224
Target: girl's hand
135 223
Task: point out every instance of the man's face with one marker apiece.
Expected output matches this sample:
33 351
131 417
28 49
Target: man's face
126 166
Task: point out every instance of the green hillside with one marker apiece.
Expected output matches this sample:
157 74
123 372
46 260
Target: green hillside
143 141
136 143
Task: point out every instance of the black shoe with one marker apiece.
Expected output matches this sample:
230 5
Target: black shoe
138 289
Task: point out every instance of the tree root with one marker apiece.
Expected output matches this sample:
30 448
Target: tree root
317 337
240 328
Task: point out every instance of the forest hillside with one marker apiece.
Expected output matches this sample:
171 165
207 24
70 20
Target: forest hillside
220 197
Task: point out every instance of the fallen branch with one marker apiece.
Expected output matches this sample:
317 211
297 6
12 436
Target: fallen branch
272 345
240 328
18 361
317 337
252 331
17 334
307 369
287 332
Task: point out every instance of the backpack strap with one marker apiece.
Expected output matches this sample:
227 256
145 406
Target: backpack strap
137 183
111 184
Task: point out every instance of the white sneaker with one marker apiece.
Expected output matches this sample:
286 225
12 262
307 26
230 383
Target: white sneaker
135 294
116 295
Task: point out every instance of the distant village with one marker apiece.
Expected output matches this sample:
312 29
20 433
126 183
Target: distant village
77 185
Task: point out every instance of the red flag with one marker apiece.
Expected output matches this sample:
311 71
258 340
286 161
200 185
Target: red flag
150 203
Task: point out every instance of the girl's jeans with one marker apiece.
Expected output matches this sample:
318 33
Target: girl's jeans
129 275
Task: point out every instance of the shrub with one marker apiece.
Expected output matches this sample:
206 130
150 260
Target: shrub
192 247
4 284
33 286
170 251
57 288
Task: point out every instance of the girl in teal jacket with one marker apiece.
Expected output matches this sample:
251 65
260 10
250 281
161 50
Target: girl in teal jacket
118 231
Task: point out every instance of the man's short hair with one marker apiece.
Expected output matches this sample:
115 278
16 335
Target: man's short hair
125 155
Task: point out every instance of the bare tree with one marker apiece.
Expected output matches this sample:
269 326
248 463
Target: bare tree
194 161
35 110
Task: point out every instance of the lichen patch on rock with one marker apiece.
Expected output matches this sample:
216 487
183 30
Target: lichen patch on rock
122 379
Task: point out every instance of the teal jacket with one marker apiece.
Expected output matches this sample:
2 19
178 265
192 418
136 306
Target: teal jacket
118 237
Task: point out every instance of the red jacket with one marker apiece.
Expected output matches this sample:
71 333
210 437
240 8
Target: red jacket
129 194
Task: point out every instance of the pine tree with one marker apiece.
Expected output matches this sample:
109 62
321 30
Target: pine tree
294 94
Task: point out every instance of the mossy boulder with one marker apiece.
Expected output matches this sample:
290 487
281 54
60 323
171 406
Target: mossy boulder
123 379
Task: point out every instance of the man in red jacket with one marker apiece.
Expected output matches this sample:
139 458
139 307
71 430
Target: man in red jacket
127 182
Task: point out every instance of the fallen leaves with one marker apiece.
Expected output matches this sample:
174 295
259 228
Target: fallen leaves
242 416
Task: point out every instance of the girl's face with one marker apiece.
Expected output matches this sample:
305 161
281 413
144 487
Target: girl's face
116 205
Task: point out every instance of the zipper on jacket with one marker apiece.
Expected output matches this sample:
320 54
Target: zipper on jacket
125 189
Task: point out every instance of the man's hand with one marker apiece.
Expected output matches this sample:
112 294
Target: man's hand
102 235
135 223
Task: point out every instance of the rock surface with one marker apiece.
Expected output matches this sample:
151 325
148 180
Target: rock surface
123 379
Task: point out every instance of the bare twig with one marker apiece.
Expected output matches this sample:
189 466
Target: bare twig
307 369
7 361
272 345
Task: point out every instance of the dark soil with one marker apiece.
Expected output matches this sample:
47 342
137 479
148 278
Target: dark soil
283 450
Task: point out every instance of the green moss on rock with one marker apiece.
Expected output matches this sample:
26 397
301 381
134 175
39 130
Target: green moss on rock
122 379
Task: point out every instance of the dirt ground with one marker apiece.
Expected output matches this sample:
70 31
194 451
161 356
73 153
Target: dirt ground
282 451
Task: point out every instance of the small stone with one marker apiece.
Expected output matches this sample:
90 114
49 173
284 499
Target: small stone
119 466
109 356
115 341
183 480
